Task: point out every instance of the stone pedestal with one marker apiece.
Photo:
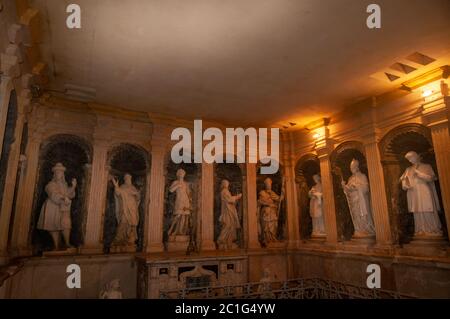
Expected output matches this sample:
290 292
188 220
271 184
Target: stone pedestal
64 252
158 272
435 246
178 243
123 249
276 245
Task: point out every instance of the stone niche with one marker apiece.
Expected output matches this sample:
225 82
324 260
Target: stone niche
306 167
279 188
341 158
193 178
75 154
232 173
393 147
156 276
8 139
123 159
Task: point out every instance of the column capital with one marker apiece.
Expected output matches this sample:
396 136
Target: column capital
324 147
435 112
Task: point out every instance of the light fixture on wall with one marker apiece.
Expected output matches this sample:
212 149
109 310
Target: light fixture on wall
316 136
427 93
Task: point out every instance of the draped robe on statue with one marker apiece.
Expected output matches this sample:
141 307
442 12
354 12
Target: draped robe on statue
55 213
315 209
127 199
268 202
228 218
422 198
357 193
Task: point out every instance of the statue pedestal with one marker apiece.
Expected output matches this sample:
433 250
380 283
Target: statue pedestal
427 246
123 249
64 252
276 244
224 247
318 237
178 243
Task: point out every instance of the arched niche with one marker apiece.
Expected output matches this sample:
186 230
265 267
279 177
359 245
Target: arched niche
122 159
278 186
193 177
340 159
75 154
8 139
306 167
233 173
393 147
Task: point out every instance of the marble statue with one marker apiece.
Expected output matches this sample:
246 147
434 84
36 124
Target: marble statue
55 212
316 207
358 198
127 199
111 290
229 218
182 207
269 209
418 182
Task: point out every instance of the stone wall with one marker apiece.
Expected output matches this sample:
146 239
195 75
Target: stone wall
46 277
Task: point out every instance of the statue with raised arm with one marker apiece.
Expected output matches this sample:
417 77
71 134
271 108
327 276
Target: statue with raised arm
183 205
127 198
316 208
229 219
55 212
358 198
418 182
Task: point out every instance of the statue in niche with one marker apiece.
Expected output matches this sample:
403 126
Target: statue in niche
229 218
418 182
127 199
358 198
182 208
316 208
269 204
55 212
111 290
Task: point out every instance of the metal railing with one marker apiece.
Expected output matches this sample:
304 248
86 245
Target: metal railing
313 288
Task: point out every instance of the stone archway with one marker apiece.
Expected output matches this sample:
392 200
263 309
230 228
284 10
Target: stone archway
306 167
393 147
75 154
233 173
278 186
340 162
8 139
126 159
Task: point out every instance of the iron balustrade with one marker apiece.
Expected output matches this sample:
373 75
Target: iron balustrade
312 288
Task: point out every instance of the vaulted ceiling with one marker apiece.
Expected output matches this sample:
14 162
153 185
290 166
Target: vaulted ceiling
246 62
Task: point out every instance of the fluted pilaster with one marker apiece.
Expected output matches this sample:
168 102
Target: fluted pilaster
378 197
207 208
97 198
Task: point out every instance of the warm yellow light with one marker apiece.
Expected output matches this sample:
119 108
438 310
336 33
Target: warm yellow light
427 93
316 136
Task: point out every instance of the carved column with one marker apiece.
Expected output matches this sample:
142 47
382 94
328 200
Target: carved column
6 86
252 220
207 207
435 117
11 174
378 197
154 236
25 196
323 149
96 199
291 200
